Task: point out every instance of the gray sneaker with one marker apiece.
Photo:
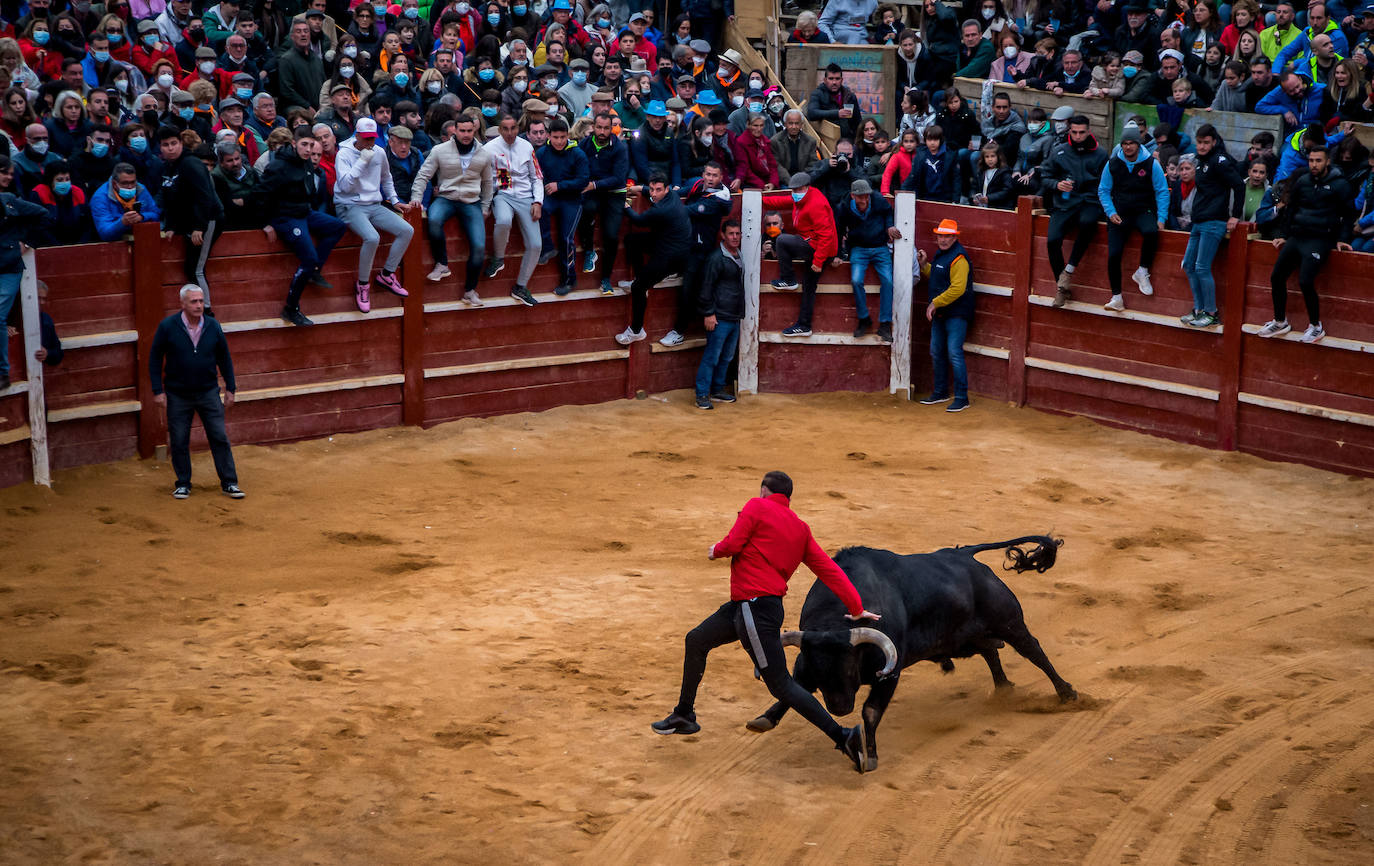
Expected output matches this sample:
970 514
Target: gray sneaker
1274 328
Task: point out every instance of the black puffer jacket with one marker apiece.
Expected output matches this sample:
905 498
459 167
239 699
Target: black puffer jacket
1220 187
1318 207
289 187
1083 164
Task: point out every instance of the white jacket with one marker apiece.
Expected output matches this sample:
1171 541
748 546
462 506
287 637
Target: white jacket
515 168
362 177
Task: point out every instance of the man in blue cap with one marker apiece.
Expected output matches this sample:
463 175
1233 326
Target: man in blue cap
651 146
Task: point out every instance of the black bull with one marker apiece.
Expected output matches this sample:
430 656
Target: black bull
935 607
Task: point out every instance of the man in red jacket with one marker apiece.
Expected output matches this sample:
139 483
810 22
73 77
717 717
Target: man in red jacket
766 545
812 238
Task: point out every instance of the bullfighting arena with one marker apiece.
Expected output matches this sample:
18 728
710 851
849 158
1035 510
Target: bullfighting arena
446 646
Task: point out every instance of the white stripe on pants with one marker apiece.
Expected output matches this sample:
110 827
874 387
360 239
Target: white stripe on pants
508 207
365 220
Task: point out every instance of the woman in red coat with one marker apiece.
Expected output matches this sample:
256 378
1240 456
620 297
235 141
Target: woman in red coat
756 166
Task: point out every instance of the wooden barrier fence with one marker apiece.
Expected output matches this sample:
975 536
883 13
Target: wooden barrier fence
433 359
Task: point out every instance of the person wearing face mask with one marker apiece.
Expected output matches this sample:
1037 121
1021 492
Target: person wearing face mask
68 211
136 152
92 166
300 71
480 76
813 240
754 103
630 110
206 69
121 203
1011 63
235 61
846 21
39 54
515 92
577 93
1139 81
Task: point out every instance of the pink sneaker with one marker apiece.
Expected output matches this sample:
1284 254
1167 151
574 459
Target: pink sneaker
393 285
362 293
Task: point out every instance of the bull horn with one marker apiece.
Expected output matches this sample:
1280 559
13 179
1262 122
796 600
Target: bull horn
792 638
882 641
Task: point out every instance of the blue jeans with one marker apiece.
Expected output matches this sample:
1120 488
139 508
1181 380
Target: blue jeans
881 260
715 361
1203 242
469 215
947 349
9 295
296 233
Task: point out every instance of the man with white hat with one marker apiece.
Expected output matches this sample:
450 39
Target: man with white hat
729 73
362 184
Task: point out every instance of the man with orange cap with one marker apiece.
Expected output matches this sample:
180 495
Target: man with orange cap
949 309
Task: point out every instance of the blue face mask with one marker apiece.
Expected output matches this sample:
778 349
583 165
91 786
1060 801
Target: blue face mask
1129 71
380 10
579 77
41 37
99 149
488 111
101 56
115 38
401 79
62 187
518 10
243 93
412 13
798 196
486 74
494 20
150 39
756 107
186 113
138 145
128 194
604 24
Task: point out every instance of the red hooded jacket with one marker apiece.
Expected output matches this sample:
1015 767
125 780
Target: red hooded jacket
812 219
767 544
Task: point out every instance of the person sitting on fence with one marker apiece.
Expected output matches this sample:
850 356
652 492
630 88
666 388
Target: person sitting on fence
362 191
519 198
707 202
993 185
1069 184
813 240
1135 196
1314 216
565 172
190 207
461 173
236 184
293 190
67 206
657 253
721 306
949 309
1217 208
934 169
121 203
866 231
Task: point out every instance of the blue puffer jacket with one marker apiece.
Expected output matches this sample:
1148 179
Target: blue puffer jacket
567 167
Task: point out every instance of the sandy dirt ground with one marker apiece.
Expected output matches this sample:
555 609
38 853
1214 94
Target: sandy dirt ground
446 646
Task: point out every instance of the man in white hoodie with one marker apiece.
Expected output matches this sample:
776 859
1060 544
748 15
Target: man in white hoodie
363 182
519 198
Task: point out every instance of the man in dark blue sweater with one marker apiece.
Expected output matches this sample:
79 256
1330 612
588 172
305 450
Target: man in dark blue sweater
189 354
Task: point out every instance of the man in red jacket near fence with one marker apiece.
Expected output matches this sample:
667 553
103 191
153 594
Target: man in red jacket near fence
813 239
765 546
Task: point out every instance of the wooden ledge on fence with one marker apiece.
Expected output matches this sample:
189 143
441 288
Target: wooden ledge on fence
985 289
15 388
1132 315
279 391
690 343
93 410
987 351
1330 342
527 363
18 434
109 338
1124 379
820 339
1297 408
317 318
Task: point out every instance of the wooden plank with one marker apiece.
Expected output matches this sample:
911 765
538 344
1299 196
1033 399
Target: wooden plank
413 327
903 259
1128 315
987 351
1360 418
109 338
148 309
658 348
1123 378
248 396
277 323
527 363
1020 303
751 253
33 341
16 434
818 338
1233 338
1100 111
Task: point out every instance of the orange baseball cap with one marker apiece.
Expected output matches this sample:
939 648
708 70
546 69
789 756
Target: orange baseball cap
947 227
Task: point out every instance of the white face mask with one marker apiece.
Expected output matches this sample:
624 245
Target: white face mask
463 8
346 72
122 84
350 51
1061 127
1009 52
519 85
434 86
756 84
707 138
206 66
737 100
988 13
164 81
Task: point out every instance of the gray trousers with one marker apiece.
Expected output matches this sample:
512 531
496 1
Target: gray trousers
507 207
367 221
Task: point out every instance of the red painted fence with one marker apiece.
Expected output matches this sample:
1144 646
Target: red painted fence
433 359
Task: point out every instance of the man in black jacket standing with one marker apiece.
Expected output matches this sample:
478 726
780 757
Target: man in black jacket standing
657 253
1314 216
190 207
188 356
722 306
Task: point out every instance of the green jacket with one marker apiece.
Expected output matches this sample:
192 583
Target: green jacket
979 63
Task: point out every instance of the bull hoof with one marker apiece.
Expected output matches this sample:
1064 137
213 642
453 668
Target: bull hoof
870 764
1004 686
761 725
1068 695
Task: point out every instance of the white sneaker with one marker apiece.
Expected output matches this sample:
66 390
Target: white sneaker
1142 279
1273 328
471 298
628 336
439 272
672 338
1117 303
625 284
1314 332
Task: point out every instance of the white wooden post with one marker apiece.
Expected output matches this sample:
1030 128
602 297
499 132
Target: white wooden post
751 253
903 255
33 341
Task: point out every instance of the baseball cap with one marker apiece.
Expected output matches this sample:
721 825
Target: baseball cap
314 13
708 97
799 180
340 86
638 16
365 126
562 5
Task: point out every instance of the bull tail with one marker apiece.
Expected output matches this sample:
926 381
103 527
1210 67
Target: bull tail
1040 558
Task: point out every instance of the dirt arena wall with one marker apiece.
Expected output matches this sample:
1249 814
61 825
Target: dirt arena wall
434 359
